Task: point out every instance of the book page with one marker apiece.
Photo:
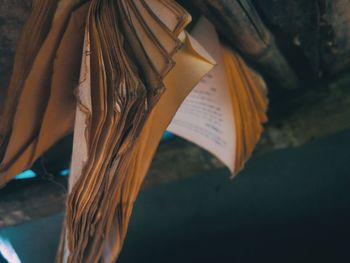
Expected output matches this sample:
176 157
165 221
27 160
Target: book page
206 115
84 107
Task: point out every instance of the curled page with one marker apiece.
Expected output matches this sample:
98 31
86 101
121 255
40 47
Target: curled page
135 53
225 111
206 117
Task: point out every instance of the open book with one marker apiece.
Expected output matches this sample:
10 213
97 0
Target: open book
224 112
115 73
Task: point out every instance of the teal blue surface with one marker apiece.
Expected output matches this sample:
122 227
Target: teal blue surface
25 175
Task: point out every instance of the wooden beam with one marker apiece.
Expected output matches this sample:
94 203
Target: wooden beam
310 115
25 200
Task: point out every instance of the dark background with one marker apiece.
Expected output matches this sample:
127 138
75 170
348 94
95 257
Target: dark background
287 206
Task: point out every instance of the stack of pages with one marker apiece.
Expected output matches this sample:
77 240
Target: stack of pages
117 73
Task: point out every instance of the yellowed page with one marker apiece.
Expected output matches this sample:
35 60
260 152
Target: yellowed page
206 116
83 112
192 63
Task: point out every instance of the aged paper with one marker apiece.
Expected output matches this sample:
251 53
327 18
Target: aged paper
206 116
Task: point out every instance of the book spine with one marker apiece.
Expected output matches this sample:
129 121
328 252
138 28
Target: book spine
240 25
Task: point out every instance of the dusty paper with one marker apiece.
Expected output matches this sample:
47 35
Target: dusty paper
83 111
206 116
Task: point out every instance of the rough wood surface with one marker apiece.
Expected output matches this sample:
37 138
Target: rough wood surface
24 200
312 33
308 116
